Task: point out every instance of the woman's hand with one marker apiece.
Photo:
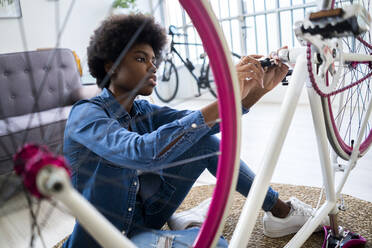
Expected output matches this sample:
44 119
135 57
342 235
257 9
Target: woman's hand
275 74
271 78
250 74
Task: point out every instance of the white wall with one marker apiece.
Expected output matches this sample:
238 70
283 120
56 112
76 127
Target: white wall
40 24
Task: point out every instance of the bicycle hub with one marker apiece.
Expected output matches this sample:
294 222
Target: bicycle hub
30 160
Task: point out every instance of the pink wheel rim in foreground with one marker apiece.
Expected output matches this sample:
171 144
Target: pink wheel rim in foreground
228 114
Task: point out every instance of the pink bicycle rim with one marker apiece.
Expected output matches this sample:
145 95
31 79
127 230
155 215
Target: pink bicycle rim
345 147
227 108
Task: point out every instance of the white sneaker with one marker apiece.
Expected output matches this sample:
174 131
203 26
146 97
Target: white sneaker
192 217
300 212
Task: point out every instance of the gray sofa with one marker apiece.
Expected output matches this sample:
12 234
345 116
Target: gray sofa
37 90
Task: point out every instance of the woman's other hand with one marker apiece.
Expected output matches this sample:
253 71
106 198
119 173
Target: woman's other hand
250 74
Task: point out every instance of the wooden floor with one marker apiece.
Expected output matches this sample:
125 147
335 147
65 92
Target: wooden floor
298 165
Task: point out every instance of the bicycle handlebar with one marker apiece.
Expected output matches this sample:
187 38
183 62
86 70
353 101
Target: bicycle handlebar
173 31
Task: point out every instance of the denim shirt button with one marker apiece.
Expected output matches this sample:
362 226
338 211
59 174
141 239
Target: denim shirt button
129 209
135 183
123 232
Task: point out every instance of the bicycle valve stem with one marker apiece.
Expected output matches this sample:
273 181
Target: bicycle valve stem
30 160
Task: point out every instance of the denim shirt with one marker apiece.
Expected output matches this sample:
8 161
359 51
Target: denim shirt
106 147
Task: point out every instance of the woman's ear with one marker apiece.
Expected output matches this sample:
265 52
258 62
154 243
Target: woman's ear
108 68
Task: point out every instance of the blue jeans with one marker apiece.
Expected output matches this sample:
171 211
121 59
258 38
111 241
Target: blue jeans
174 239
181 178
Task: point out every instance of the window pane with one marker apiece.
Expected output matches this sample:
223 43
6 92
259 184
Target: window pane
259 5
225 9
188 20
273 32
191 39
215 7
249 6
251 37
234 7
270 4
236 47
311 9
284 3
297 2
286 30
227 32
261 35
174 12
199 49
298 15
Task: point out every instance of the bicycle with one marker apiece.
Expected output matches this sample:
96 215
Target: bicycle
168 82
53 177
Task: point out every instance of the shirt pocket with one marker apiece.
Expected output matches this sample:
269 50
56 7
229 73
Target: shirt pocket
160 200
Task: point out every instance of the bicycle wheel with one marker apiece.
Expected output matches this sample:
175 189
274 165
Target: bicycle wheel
211 85
167 87
44 213
345 111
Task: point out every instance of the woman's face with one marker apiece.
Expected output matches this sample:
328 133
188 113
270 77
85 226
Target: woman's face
137 69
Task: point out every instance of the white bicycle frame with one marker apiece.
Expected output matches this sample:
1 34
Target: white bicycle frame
261 183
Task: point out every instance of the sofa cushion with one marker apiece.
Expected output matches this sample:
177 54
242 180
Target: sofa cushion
36 81
40 83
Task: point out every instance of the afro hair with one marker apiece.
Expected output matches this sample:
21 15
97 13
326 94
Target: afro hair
115 34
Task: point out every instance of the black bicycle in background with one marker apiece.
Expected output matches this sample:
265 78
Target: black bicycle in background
167 87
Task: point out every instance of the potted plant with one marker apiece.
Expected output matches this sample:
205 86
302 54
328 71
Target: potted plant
123 6
5 2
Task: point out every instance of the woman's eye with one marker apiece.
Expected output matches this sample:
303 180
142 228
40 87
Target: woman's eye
141 59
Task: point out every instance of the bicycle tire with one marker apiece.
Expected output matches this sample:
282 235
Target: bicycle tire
228 164
167 87
343 112
211 85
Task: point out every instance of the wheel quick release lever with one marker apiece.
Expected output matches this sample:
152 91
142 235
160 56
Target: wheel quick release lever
267 63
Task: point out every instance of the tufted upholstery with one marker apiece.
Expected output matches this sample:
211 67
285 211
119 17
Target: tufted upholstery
37 90
51 73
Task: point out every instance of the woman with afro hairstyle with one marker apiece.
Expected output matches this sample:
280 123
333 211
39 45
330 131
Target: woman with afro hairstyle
118 146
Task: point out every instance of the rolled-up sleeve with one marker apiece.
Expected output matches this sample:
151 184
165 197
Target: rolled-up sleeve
90 126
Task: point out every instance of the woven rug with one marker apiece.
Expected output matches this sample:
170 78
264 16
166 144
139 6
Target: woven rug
357 217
